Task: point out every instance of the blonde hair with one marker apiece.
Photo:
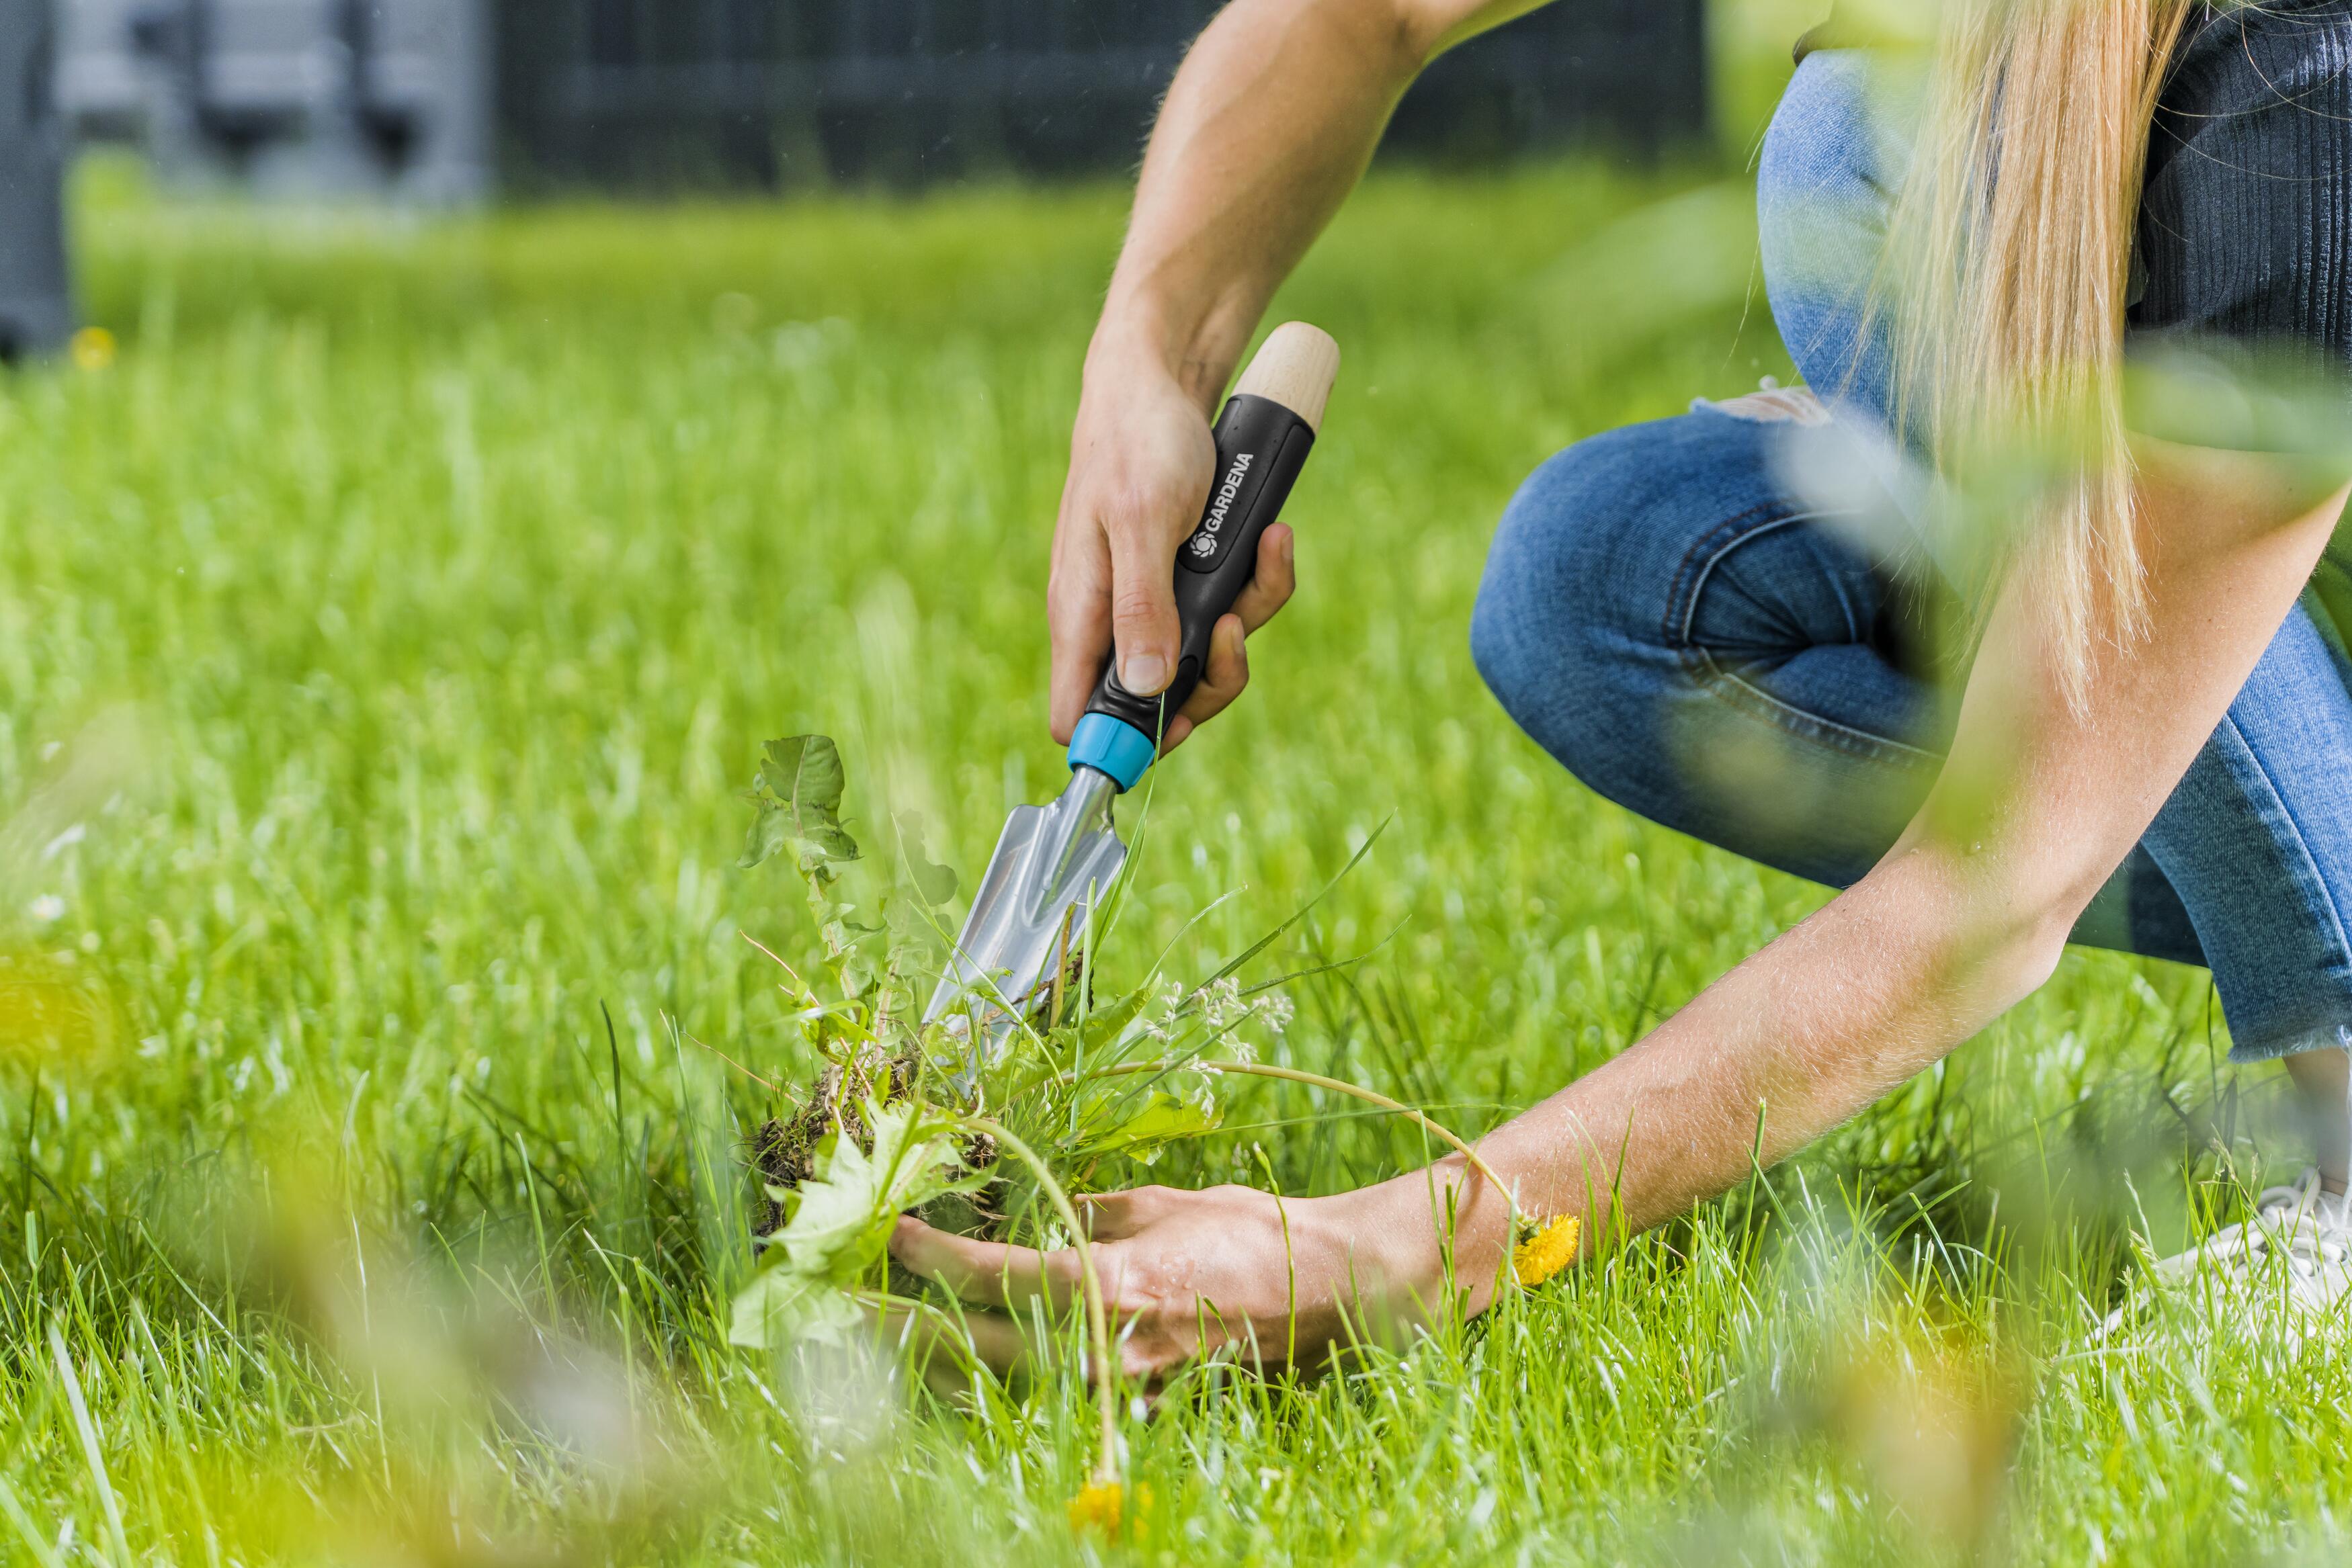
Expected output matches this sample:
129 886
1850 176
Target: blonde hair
2008 271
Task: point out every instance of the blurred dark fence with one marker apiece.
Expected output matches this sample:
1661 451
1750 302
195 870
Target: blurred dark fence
668 93
436 99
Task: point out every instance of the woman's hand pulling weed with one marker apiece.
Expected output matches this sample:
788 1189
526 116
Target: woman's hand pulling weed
1227 1270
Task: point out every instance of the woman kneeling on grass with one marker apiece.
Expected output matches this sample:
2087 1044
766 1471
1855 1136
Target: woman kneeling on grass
2150 748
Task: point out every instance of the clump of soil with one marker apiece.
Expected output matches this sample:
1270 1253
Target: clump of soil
785 1151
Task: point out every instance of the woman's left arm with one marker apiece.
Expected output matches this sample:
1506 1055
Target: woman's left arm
1966 916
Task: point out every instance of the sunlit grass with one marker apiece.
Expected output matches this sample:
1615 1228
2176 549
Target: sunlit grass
384 636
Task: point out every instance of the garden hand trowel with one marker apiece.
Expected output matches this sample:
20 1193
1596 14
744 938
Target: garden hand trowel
1054 862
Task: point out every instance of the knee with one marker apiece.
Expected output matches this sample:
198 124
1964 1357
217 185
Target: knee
1558 633
1525 621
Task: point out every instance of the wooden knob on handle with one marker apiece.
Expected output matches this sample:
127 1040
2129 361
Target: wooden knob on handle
1295 368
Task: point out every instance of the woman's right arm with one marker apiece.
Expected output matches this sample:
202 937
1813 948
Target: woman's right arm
1266 128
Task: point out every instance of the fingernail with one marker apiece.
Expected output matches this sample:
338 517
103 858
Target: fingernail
1144 674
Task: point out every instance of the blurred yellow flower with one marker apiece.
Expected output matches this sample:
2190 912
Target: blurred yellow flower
92 348
1102 1506
1545 1252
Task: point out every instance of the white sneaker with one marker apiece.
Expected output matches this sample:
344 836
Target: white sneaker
2298 1244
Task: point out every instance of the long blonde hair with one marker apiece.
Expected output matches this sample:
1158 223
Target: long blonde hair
2008 273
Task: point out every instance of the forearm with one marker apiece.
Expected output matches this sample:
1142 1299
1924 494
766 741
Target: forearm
1873 988
1266 128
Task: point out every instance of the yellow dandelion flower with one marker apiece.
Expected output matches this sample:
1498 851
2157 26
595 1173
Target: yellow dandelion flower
1103 1505
1550 1249
1098 1507
92 348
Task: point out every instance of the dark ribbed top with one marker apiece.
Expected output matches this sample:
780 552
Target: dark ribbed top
2246 225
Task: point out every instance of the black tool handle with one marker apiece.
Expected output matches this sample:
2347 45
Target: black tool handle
1263 436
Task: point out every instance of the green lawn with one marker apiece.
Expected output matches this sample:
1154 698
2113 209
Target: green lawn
384 638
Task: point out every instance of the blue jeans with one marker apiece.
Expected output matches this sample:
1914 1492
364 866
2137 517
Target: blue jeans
1664 614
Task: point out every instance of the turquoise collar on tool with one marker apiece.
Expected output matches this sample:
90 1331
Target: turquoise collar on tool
1112 746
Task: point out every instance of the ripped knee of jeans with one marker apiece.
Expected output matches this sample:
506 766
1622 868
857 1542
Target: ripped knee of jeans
1770 404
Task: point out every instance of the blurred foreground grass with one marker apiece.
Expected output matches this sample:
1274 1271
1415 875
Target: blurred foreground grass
383 637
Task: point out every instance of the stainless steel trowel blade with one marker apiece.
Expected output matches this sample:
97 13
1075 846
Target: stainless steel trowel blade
1051 862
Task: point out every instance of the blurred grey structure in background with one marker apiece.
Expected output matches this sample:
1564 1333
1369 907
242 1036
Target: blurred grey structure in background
659 93
35 309
428 100
321 97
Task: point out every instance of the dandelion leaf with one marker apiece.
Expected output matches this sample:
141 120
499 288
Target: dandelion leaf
798 801
1161 1119
767 835
843 1218
1107 1023
780 1308
840 1220
934 885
